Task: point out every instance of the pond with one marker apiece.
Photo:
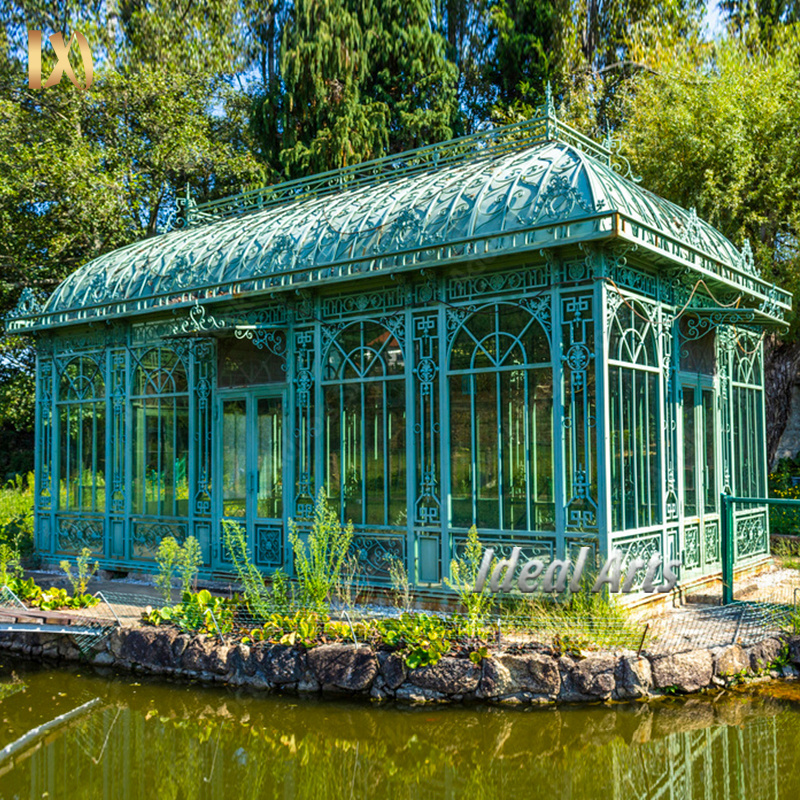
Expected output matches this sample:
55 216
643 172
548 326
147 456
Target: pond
137 739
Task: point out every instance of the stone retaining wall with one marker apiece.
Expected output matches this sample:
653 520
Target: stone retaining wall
347 669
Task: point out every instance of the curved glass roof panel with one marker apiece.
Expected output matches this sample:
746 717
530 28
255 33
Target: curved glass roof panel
373 225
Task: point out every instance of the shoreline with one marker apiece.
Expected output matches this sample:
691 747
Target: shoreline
505 677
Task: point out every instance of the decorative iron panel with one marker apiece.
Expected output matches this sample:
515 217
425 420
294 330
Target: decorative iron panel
579 411
304 423
691 546
269 545
751 535
427 508
375 551
641 546
711 541
147 535
203 369
75 533
118 393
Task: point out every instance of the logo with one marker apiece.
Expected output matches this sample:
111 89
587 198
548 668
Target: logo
62 63
502 574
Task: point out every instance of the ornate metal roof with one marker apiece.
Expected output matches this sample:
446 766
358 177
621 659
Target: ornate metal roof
514 189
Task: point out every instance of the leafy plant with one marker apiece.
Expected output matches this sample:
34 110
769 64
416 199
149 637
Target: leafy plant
172 558
422 638
198 612
464 572
261 600
168 558
191 557
80 581
476 656
55 598
16 514
302 627
9 564
318 563
401 588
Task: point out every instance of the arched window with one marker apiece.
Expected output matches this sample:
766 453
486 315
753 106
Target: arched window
365 424
633 403
82 436
160 406
501 422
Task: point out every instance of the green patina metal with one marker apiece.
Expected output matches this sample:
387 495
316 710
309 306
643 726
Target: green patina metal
500 330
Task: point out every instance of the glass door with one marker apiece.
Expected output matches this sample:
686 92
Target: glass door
700 473
252 482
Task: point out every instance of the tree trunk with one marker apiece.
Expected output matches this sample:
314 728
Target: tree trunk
781 363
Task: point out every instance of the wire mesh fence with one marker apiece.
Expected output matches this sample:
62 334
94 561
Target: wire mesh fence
696 627
699 627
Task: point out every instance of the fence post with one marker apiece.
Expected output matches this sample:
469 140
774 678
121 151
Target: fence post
727 550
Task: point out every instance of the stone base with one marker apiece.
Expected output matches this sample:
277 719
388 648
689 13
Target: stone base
359 670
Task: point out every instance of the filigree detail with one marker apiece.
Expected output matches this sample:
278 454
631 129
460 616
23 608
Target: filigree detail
746 261
751 536
376 553
770 306
691 229
199 321
691 546
29 304
558 200
74 534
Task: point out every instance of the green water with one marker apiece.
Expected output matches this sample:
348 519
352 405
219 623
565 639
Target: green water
152 741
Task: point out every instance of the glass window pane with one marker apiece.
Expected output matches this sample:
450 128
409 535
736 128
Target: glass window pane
487 479
270 458
710 452
234 458
689 455
461 393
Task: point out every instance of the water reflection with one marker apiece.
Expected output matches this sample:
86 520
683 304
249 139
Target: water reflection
142 742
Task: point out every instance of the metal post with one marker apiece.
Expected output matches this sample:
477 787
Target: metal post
727 550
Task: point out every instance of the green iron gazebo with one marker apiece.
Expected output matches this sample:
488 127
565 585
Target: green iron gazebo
500 330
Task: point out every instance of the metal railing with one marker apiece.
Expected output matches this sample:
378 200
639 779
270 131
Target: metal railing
728 501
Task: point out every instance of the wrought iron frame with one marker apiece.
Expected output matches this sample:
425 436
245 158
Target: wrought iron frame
571 243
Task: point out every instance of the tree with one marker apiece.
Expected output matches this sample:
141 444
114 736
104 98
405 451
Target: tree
529 50
410 75
83 173
717 126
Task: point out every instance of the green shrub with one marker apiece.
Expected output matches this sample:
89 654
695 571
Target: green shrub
184 559
168 558
401 587
261 600
9 564
16 514
464 574
80 581
422 638
318 563
191 558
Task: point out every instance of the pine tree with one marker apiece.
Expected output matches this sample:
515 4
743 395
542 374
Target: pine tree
410 74
327 121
